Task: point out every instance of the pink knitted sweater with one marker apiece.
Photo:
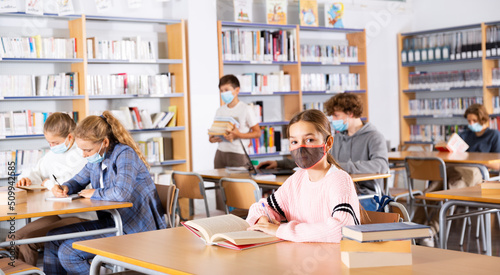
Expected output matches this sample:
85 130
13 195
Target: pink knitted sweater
311 211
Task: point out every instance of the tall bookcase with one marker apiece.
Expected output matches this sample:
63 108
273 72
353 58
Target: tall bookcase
291 102
171 57
486 90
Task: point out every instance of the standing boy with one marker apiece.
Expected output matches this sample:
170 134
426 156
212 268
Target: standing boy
230 152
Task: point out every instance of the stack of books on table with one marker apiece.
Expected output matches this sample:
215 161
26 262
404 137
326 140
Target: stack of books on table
380 244
490 188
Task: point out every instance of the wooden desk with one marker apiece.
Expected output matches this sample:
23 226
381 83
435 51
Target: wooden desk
468 196
481 158
178 251
216 174
37 206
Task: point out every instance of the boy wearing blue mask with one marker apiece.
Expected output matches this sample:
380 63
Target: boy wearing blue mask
64 160
229 151
478 136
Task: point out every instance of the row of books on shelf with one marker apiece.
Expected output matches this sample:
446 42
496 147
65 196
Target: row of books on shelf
22 160
25 122
134 119
264 83
62 84
456 45
495 76
259 45
442 106
336 82
127 84
270 141
313 105
157 149
329 54
132 48
434 133
37 47
445 80
493 41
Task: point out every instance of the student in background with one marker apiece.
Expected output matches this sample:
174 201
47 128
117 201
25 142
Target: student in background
318 199
63 161
358 147
230 152
117 171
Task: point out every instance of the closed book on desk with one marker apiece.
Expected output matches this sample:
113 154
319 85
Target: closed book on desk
490 188
15 195
228 231
386 231
374 254
33 187
454 144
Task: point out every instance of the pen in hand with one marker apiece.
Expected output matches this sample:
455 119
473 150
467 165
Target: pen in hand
267 213
58 184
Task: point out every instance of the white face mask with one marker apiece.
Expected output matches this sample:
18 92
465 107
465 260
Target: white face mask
96 158
60 148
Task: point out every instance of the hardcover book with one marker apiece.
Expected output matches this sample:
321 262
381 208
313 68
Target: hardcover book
243 10
228 231
454 144
308 13
276 12
386 231
334 12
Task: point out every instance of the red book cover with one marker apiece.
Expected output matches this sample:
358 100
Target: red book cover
137 115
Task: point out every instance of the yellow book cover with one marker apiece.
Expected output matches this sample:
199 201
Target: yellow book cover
173 121
308 13
276 12
38 45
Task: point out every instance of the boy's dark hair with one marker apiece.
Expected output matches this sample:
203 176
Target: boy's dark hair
345 102
229 79
480 111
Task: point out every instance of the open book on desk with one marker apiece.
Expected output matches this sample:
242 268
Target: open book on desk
69 198
228 231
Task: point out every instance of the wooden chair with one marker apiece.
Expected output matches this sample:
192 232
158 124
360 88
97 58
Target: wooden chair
19 268
427 169
399 167
168 196
190 186
239 193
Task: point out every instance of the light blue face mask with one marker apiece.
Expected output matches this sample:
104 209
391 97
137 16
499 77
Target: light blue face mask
339 125
96 158
227 96
476 127
60 148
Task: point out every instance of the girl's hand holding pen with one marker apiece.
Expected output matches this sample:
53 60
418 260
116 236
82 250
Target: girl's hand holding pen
266 226
60 191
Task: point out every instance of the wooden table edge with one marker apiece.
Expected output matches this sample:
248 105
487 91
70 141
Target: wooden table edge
77 245
461 198
70 211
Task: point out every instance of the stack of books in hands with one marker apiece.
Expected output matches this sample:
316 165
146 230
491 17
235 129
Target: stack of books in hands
222 125
380 244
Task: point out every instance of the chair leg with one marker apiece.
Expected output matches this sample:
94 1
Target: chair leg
206 206
452 210
464 225
191 208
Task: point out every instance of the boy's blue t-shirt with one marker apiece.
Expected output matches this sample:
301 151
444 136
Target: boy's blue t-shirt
488 142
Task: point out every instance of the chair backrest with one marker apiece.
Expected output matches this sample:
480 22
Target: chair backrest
426 168
239 193
190 185
168 198
368 217
396 207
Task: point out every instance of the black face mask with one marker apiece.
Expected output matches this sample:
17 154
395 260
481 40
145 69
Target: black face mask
306 156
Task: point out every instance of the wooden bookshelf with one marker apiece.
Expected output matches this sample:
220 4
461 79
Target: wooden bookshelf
176 63
292 102
486 64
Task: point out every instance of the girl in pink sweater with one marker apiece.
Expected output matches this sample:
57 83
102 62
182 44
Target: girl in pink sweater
315 202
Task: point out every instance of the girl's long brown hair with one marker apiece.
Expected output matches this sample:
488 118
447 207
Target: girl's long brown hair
96 128
322 125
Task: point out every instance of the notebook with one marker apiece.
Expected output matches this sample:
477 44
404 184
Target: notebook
69 198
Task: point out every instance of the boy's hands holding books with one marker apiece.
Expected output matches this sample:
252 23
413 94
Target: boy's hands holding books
266 226
232 134
214 139
60 191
